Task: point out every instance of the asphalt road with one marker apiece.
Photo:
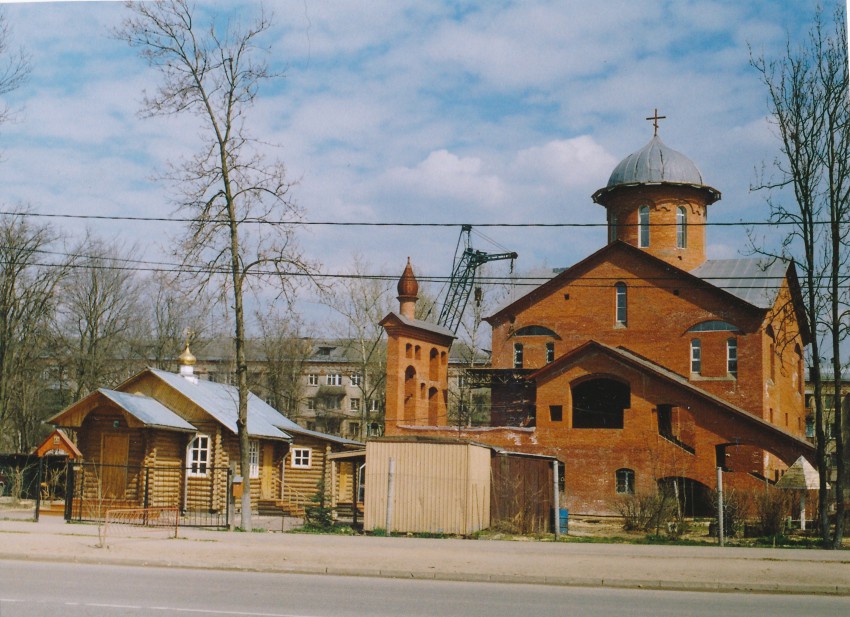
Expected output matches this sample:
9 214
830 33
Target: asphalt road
30 589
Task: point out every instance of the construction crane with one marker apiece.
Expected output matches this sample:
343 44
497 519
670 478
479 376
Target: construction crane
463 278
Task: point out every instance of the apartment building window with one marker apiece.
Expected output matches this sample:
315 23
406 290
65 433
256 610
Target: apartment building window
356 379
311 404
354 404
354 429
333 379
312 379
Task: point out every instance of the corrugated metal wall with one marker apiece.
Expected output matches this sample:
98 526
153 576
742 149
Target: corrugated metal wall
522 494
438 487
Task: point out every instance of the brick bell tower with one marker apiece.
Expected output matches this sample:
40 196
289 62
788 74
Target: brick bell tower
417 378
657 201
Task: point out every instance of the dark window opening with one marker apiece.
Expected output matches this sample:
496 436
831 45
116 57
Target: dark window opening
625 482
556 413
599 403
550 352
535 331
517 355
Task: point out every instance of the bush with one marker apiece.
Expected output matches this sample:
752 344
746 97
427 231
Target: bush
736 508
772 508
651 512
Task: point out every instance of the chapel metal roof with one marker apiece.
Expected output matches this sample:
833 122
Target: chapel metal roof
756 281
148 411
221 402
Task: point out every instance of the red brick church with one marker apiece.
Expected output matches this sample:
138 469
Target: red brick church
643 364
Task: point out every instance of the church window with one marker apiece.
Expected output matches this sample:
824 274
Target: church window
599 403
732 356
714 325
535 331
643 226
696 356
625 481
622 303
550 352
681 228
517 355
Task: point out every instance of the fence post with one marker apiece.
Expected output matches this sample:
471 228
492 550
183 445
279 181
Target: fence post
69 489
38 489
231 523
720 506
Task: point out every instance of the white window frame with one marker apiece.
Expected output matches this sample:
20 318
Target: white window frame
302 458
681 228
732 356
624 479
333 379
254 458
312 379
198 456
696 356
354 403
356 379
621 303
311 404
643 226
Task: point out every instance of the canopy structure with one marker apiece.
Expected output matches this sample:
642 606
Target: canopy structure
801 476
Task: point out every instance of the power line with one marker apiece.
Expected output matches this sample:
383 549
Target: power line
259 221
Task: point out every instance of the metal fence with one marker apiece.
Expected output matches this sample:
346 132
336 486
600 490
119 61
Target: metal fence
29 484
202 497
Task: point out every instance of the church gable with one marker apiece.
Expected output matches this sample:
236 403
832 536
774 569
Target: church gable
620 295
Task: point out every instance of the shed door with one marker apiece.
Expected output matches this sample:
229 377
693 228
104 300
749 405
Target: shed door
114 450
267 472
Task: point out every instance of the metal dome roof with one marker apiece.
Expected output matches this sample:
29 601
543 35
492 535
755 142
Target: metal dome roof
655 162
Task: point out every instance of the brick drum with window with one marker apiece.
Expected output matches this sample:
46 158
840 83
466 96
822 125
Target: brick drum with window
645 364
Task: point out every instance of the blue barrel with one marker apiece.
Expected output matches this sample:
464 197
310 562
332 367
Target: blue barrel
564 520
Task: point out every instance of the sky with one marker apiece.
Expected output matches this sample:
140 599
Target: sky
414 112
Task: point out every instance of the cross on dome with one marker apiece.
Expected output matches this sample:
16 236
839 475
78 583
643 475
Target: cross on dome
655 118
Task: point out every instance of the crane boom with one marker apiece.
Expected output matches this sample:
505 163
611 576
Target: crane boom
463 279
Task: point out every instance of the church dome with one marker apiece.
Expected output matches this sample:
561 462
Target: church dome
656 163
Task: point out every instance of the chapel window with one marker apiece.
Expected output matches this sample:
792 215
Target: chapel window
643 226
517 355
550 352
612 228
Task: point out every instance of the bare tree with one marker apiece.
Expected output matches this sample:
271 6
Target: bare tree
234 194
808 98
174 314
361 300
28 282
286 350
97 317
14 65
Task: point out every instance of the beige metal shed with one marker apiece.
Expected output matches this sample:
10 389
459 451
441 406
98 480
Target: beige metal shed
421 485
